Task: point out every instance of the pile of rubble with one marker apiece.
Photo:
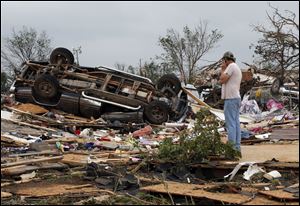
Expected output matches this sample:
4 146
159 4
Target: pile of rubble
265 83
49 153
73 134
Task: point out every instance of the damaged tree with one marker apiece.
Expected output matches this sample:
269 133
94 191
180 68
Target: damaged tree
25 45
183 52
279 45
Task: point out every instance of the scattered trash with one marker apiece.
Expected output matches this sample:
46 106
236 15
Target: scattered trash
272 175
252 169
117 151
263 136
143 132
272 105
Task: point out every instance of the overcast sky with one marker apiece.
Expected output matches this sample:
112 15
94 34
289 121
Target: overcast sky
124 32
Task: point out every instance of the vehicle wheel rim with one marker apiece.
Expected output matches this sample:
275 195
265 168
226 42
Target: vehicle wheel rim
169 85
157 113
46 88
61 59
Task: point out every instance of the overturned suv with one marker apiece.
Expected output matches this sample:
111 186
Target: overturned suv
99 91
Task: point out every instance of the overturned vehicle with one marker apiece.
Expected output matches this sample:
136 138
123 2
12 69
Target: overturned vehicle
99 91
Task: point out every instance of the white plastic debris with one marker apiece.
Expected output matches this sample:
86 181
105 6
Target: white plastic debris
86 133
220 115
263 136
8 115
272 175
222 129
252 169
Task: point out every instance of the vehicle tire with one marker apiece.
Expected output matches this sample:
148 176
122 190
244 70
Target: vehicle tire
46 86
62 55
169 81
156 112
276 86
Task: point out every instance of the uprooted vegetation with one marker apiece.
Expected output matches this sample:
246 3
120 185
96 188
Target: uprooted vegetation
198 145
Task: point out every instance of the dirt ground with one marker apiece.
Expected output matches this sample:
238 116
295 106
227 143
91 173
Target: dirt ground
264 152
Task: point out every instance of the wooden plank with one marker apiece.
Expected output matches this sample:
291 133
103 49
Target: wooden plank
196 191
5 195
32 108
47 189
11 139
263 201
42 118
33 126
21 169
78 186
285 134
279 194
195 98
30 161
35 153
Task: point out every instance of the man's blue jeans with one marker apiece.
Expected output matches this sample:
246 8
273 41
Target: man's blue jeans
232 121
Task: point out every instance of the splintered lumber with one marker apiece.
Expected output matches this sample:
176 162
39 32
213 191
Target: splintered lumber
13 140
42 118
195 191
25 162
5 194
82 159
21 169
47 152
63 139
78 186
54 191
195 98
53 188
149 180
279 194
32 125
32 108
263 201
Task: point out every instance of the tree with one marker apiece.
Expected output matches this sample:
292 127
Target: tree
4 82
121 67
279 44
183 52
151 70
24 45
131 69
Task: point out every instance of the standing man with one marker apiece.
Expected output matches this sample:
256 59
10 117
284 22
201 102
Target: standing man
231 77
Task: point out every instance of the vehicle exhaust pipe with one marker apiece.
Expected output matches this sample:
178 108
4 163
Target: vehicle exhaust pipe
109 102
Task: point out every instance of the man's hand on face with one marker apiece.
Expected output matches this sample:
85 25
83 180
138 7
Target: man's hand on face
223 65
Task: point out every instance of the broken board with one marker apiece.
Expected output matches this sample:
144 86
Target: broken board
196 191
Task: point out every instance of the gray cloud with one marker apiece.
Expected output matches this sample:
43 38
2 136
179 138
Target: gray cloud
125 32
